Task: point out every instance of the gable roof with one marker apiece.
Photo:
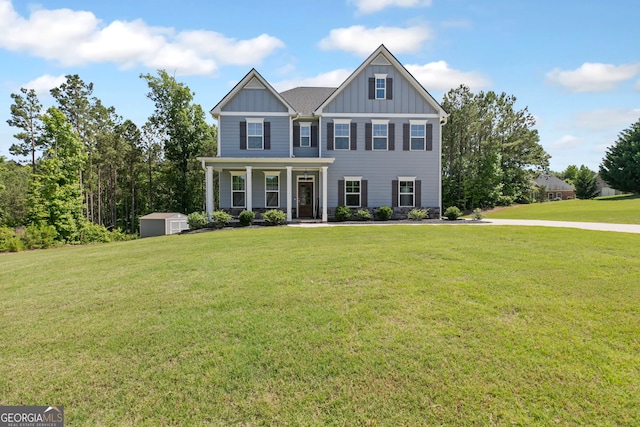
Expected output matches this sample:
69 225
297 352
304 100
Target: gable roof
253 79
553 183
306 99
380 54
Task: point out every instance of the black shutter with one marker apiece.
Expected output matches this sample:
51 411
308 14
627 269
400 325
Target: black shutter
329 136
364 193
243 135
354 137
389 88
394 193
372 88
341 192
429 135
314 135
296 135
368 136
392 136
406 137
418 193
267 135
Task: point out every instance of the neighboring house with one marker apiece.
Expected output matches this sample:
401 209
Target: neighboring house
604 189
373 141
556 189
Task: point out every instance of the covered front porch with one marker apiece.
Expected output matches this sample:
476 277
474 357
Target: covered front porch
297 186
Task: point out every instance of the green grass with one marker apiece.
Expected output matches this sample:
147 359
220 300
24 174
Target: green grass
396 325
616 210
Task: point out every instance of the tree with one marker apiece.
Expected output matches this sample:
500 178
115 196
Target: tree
569 174
25 115
55 196
489 150
620 167
185 135
585 183
14 183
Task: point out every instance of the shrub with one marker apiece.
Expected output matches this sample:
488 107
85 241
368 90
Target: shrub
246 218
452 213
342 213
14 244
362 215
197 220
39 236
476 215
94 233
418 214
6 235
505 200
384 213
274 217
221 219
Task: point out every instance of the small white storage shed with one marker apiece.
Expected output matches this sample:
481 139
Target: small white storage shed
162 223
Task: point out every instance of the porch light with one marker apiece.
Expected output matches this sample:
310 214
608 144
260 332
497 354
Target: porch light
306 175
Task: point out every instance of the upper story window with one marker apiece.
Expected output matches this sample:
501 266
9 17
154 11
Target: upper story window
380 134
381 86
305 134
417 135
255 140
341 134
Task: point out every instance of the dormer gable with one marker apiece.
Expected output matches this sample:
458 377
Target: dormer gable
253 92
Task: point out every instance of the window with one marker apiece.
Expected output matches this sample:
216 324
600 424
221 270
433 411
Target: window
352 191
254 134
341 135
381 86
417 135
238 188
380 134
406 193
305 134
272 189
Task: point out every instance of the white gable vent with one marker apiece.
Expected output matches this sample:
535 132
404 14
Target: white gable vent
254 83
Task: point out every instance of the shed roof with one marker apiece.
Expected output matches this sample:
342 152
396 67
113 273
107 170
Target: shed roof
306 99
163 215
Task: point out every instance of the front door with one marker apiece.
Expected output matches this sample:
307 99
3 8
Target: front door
305 199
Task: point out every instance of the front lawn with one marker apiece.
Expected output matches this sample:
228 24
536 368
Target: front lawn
615 210
396 325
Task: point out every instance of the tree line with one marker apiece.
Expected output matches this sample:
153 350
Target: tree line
89 167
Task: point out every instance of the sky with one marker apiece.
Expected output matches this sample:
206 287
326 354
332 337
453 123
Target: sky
574 64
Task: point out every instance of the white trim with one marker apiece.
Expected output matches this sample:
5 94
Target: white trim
324 192
407 178
380 60
413 192
255 120
257 113
373 137
254 83
289 194
377 77
359 193
424 138
239 173
342 122
382 115
277 161
309 178
267 174
308 126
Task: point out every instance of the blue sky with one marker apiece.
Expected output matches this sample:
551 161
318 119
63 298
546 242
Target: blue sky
574 63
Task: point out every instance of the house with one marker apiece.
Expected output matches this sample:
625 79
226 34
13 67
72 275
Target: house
604 189
373 141
556 189
162 223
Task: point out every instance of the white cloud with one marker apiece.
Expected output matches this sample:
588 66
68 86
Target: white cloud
78 37
43 84
603 119
362 41
593 77
439 76
330 79
566 142
370 6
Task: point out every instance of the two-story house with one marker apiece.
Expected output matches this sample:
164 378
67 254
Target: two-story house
373 141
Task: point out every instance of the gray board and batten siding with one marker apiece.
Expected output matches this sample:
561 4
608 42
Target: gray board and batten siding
255 100
230 136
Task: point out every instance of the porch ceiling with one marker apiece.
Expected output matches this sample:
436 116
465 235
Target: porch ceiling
265 163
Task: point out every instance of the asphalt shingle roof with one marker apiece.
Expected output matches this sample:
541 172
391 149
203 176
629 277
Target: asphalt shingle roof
306 99
553 183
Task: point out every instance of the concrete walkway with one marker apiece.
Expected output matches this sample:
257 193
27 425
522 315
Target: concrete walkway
598 226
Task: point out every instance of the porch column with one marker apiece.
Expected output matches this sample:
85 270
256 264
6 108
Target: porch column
249 189
209 189
289 201
324 193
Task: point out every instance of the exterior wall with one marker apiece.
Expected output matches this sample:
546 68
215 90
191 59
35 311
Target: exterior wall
229 142
380 168
254 100
176 225
258 183
355 97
